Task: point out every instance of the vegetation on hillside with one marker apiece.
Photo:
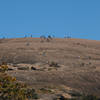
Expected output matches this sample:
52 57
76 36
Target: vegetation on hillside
10 89
79 96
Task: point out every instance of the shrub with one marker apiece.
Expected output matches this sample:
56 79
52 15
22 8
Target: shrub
10 89
78 96
23 68
44 90
54 64
3 68
89 97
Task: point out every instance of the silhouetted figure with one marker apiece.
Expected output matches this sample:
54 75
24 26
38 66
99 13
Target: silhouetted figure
43 38
48 40
31 36
3 37
49 37
68 37
25 36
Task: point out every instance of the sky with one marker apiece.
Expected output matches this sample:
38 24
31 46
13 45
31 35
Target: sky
75 18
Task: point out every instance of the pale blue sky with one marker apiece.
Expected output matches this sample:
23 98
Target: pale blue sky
56 17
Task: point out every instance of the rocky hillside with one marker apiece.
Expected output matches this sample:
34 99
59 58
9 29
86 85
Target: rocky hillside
57 65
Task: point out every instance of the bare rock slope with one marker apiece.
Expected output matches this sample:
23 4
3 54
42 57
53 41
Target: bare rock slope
59 63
